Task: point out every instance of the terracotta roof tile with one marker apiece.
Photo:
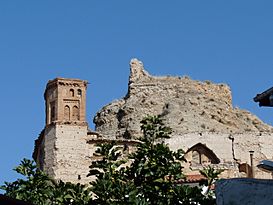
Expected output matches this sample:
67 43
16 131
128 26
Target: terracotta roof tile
194 178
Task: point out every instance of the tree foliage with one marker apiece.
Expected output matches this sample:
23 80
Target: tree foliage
39 189
150 175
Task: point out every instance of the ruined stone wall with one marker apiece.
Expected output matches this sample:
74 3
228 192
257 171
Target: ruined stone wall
232 150
48 144
199 113
186 105
67 153
73 152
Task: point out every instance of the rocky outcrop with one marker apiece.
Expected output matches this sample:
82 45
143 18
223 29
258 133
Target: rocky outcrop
186 105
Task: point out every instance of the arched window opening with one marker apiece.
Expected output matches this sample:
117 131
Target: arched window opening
52 112
202 155
79 92
71 92
75 113
67 113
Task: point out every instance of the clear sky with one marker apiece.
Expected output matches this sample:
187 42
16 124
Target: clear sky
222 41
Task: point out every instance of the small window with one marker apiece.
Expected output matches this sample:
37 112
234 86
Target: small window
200 154
79 92
71 92
75 113
52 112
67 113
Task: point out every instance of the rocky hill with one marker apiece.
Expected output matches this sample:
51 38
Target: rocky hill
186 105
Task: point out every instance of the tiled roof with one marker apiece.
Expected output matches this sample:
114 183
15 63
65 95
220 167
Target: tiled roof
194 178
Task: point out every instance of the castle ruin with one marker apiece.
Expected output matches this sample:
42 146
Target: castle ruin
204 123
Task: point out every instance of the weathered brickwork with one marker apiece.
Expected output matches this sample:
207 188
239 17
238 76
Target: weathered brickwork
65 101
204 122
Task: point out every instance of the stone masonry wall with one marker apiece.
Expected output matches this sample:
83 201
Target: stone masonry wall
230 152
67 153
72 153
49 152
197 112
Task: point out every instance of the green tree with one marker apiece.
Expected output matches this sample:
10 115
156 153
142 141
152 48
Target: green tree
111 185
152 176
39 189
212 176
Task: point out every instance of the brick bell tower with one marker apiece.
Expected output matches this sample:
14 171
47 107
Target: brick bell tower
61 148
65 101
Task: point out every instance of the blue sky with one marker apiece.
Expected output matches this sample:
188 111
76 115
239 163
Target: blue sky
222 41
